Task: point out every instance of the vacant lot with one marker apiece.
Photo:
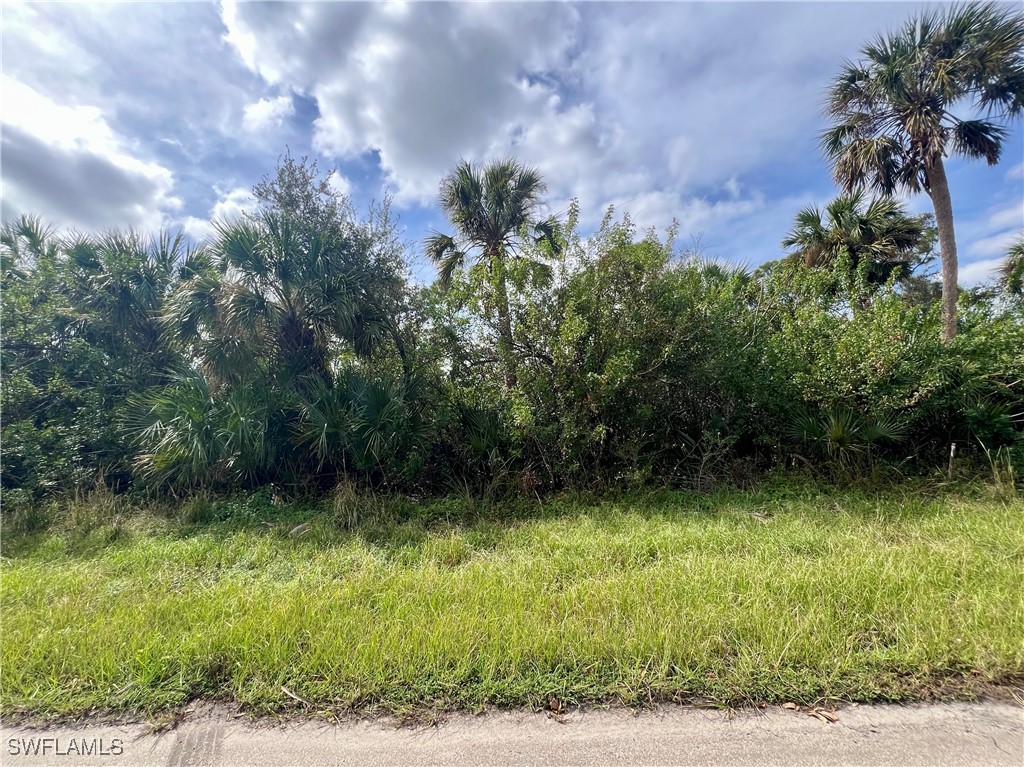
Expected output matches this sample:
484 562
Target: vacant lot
732 598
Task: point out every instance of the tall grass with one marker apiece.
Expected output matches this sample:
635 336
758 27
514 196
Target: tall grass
730 598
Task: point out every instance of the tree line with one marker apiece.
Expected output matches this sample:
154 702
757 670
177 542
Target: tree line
294 349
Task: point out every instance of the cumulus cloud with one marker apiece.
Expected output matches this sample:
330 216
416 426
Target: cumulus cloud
701 112
66 164
338 183
609 106
979 271
155 66
267 113
230 206
422 84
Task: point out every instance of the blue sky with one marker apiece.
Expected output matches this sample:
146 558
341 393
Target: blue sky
166 114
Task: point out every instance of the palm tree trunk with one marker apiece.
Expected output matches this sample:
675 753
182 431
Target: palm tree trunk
505 349
939 192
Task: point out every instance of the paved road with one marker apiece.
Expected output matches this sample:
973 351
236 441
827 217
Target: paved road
948 735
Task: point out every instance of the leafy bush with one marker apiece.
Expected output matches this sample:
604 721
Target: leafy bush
291 352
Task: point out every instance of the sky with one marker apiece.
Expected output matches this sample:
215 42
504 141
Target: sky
151 115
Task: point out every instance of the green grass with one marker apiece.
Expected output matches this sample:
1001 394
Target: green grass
730 598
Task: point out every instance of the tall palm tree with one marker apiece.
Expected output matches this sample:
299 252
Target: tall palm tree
494 210
878 232
893 125
272 297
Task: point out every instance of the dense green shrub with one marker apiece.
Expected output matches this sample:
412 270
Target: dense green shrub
885 362
81 334
292 351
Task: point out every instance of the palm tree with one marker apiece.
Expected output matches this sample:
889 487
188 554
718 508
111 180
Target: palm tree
369 248
494 210
25 242
124 279
272 298
893 124
110 287
878 232
1011 273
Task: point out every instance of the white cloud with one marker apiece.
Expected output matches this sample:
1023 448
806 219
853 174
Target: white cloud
199 229
698 214
163 65
422 85
338 183
162 82
230 206
636 105
706 113
990 234
993 245
661 72
1009 216
266 114
682 157
978 271
36 51
67 164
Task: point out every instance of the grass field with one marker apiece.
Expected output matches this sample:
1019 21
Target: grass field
782 594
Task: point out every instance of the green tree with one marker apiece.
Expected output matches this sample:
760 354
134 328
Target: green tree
1011 273
877 233
892 111
369 248
280 287
648 364
494 210
282 313
80 317
271 300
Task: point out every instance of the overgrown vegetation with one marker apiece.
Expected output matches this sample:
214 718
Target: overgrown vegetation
794 592
581 465
292 351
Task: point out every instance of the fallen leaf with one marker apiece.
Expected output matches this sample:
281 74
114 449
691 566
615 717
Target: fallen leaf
791 706
824 716
295 697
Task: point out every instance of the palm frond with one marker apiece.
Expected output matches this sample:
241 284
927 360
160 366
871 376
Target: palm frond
28 237
1011 272
549 233
979 138
891 110
444 251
